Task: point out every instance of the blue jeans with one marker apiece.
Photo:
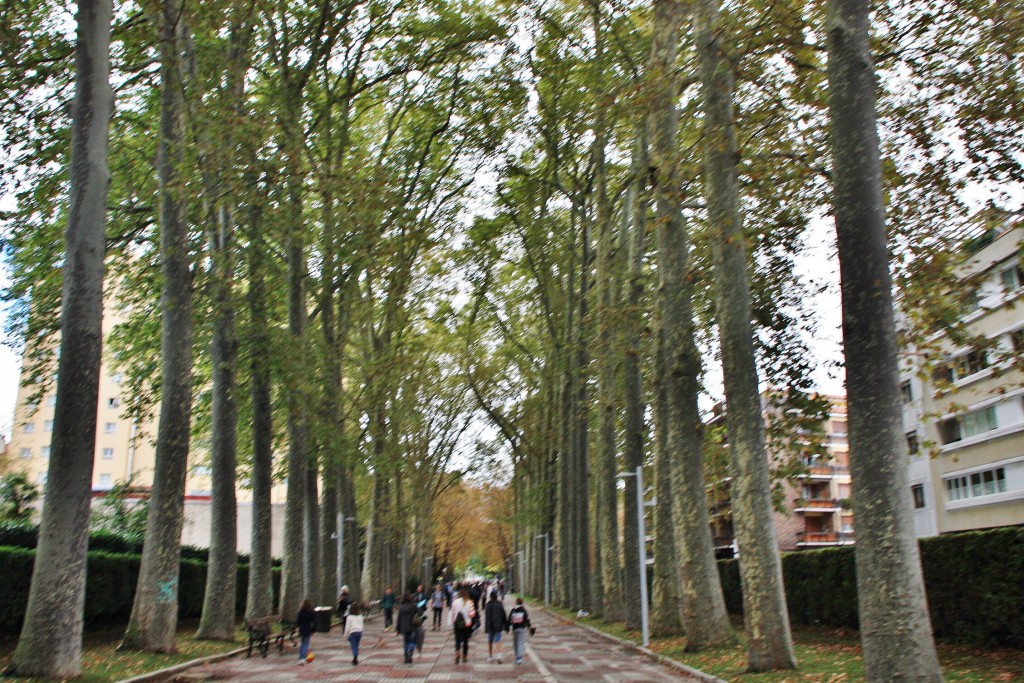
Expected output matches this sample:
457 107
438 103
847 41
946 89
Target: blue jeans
409 642
304 647
353 641
519 639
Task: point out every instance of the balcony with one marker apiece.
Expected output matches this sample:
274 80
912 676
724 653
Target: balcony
807 539
724 541
817 505
824 472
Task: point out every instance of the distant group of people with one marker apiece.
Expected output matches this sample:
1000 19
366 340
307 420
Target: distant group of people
463 601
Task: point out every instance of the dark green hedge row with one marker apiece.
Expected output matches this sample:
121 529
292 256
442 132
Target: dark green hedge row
110 587
24 536
974 581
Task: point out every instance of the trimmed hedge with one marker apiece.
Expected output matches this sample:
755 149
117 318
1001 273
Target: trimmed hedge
974 581
110 587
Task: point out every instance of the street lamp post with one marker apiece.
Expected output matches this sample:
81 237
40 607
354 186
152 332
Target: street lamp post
428 581
521 573
547 566
340 535
642 543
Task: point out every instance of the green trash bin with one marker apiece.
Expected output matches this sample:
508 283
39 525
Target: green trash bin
322 617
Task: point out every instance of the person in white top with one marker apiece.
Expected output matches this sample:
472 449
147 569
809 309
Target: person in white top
354 630
460 617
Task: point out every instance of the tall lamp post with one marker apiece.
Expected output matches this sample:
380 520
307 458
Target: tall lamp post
340 535
547 566
521 573
428 580
642 543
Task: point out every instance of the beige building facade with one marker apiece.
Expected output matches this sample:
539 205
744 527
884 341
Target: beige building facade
125 450
816 506
964 417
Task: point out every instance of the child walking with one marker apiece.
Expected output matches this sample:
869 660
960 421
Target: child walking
354 630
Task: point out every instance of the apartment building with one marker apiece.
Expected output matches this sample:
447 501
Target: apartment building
816 502
125 450
964 415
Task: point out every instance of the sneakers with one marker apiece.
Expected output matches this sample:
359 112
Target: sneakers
499 659
519 661
490 658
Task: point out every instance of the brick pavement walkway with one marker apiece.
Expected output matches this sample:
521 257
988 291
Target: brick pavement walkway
558 652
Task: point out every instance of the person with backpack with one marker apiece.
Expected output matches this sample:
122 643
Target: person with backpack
461 617
519 620
495 623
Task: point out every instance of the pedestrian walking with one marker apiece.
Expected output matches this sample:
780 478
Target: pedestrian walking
354 630
519 620
406 626
437 601
387 603
495 624
343 604
460 618
305 622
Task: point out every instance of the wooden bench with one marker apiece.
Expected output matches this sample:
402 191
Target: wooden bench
262 634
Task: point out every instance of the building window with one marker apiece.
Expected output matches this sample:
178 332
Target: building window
51 400
105 481
977 484
44 452
42 478
108 453
26 453
917 491
961 367
1011 278
29 428
110 427
912 444
968 425
201 470
116 378
972 301
47 425
1017 340
906 392
114 402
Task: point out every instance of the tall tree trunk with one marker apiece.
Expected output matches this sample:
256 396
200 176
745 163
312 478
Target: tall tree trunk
895 627
581 575
259 597
50 644
294 588
769 641
218 619
154 618
705 621
608 569
312 572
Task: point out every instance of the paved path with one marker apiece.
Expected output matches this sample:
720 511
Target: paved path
558 652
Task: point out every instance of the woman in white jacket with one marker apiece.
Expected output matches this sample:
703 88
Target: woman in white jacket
461 616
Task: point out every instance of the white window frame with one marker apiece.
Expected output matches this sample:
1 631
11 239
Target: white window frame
108 453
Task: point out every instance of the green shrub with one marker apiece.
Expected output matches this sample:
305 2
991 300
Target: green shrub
18 534
973 580
110 587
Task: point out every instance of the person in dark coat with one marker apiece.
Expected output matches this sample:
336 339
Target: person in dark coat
305 622
387 603
495 623
406 626
343 602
